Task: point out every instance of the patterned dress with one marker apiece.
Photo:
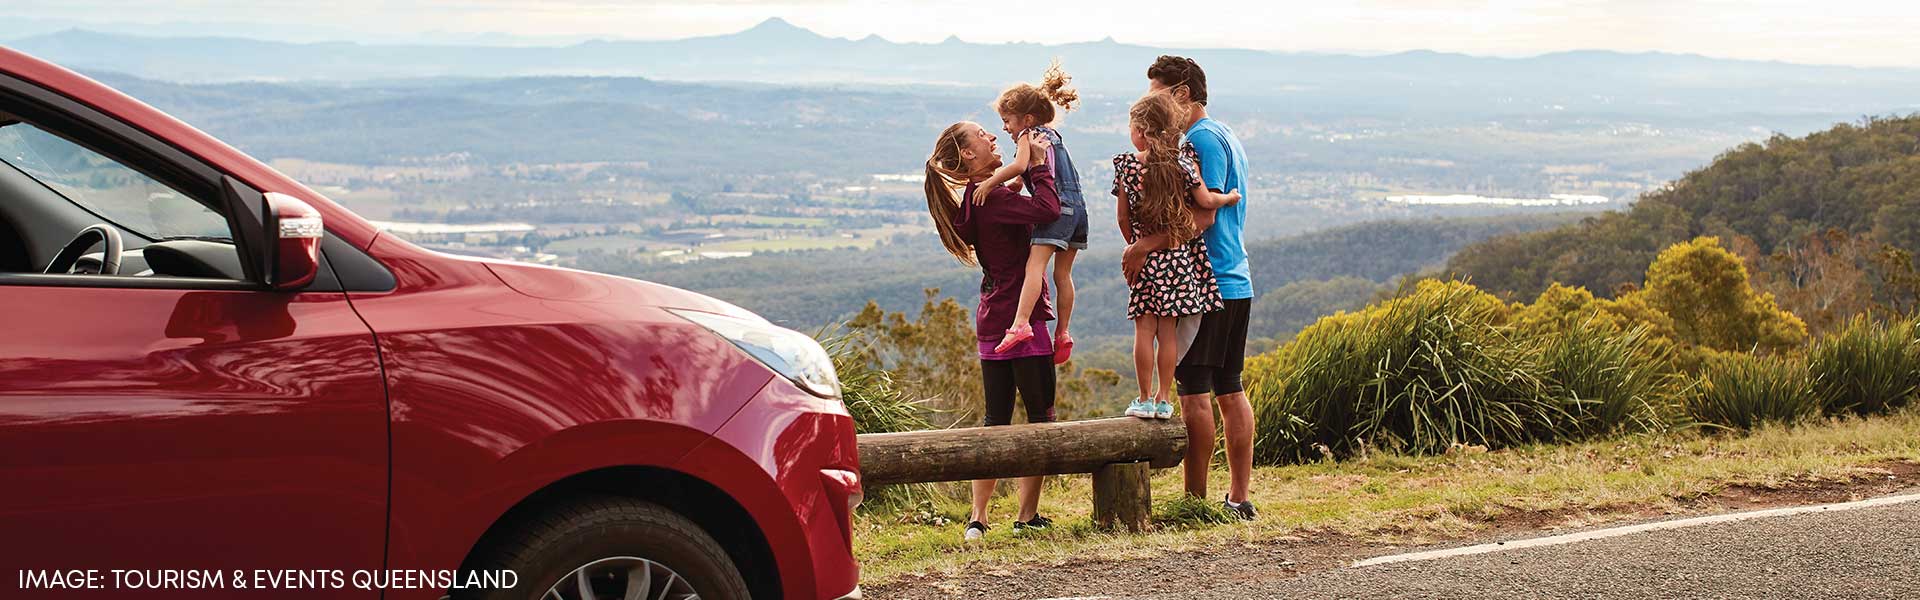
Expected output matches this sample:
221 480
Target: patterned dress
1175 281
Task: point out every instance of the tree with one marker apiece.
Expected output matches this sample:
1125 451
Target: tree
1855 177
936 356
1824 277
933 356
1705 290
1288 308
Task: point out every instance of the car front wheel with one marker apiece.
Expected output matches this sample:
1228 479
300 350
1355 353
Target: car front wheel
612 548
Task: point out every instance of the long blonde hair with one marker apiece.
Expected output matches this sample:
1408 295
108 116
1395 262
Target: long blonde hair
1040 100
1163 205
945 172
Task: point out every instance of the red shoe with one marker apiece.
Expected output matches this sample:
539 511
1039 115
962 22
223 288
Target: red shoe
1015 335
1063 351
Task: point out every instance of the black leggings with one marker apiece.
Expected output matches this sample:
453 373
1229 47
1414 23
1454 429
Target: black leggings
1033 377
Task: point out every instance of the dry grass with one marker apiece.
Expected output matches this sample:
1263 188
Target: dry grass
1396 499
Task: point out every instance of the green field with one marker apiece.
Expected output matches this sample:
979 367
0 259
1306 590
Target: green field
788 244
771 221
603 243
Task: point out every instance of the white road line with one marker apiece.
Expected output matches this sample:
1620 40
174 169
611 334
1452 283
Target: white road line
1632 529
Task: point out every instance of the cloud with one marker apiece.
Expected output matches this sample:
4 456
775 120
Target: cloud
1836 31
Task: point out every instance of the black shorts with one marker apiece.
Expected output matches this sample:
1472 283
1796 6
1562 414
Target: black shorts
1213 363
1032 377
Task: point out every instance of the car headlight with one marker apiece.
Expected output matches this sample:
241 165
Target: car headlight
790 353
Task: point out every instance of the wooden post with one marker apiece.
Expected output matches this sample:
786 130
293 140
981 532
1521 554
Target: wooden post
1123 496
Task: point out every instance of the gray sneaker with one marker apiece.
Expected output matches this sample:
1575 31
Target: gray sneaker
1244 510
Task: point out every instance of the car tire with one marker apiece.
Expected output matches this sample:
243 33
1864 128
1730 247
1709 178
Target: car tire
614 540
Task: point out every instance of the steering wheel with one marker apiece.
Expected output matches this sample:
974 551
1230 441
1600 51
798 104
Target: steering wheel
94 234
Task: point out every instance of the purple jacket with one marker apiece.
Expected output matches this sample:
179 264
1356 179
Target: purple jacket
1001 232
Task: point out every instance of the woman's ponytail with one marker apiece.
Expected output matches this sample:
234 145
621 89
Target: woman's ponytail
943 168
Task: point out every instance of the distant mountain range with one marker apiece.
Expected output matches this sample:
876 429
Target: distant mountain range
778 52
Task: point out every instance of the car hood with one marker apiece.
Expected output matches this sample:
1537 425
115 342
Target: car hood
554 283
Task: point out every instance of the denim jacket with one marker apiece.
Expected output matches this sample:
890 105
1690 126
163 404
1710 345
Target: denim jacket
1066 179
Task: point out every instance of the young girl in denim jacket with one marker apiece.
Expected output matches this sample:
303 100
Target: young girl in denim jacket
1030 110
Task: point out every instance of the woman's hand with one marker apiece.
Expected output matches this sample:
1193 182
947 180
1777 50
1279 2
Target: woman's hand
1040 147
1133 259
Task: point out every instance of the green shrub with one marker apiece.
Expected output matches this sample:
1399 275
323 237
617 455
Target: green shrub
1866 367
878 405
1742 391
877 402
1608 383
1416 374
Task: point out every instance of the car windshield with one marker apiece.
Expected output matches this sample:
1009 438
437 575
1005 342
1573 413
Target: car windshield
123 196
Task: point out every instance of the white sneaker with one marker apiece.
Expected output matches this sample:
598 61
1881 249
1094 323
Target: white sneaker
975 530
1141 409
1163 411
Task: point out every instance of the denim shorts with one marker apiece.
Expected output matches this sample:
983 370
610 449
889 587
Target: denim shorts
1070 231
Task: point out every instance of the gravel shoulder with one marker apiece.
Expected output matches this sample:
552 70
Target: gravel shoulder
1861 553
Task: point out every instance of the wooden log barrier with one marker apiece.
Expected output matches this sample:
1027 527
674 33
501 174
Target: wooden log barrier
1118 451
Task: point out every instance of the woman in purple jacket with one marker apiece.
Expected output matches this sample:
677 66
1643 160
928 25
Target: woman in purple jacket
997 237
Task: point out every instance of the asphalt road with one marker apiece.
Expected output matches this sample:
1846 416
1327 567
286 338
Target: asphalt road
1861 553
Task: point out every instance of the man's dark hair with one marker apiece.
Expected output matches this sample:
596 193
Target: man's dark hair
1174 71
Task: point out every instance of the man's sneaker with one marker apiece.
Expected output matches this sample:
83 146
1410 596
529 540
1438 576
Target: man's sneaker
1244 510
1163 410
975 530
1038 523
1144 410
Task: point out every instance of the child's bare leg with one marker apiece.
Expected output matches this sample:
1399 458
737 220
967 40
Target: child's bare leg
1168 334
1143 354
1036 276
1144 329
1063 280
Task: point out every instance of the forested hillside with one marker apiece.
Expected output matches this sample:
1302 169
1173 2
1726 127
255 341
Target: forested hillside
1785 205
810 289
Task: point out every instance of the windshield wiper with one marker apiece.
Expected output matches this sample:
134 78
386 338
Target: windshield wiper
198 238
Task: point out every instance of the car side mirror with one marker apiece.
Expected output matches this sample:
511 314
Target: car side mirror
294 250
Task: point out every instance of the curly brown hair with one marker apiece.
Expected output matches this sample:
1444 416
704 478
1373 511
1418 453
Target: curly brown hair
1175 71
1163 205
1040 100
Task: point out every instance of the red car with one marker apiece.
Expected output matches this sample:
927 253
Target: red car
214 380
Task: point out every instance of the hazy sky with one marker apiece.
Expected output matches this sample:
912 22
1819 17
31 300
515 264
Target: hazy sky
1857 32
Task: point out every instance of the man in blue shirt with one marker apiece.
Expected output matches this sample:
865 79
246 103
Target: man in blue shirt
1210 368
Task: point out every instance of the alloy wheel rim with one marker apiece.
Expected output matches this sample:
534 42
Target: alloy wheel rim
622 578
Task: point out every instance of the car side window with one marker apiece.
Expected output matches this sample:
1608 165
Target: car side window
116 193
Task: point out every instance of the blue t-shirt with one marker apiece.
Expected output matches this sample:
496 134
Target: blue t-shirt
1223 166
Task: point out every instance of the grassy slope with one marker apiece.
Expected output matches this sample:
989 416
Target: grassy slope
1402 499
